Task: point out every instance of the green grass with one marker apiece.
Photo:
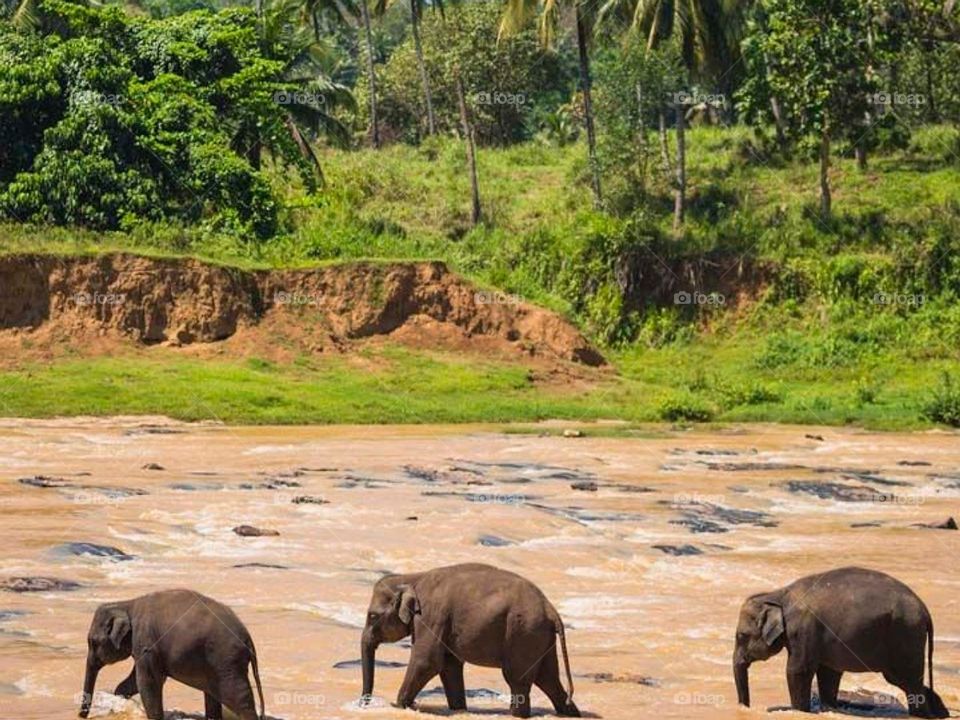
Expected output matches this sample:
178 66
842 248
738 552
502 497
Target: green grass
424 387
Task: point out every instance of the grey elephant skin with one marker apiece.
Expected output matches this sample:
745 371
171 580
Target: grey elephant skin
469 613
179 634
844 620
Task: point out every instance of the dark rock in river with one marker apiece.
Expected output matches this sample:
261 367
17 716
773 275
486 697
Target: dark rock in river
608 677
914 463
494 541
679 550
264 566
703 517
197 487
356 664
80 549
948 524
309 500
749 466
45 481
818 438
868 524
865 476
474 693
588 485
152 466
837 491
38 584
251 531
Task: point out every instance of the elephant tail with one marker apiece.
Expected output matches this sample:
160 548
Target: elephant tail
930 651
256 678
558 623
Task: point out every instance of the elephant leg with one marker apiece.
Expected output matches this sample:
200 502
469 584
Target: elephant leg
548 680
150 684
426 660
520 685
212 709
828 685
452 678
236 694
799 680
128 686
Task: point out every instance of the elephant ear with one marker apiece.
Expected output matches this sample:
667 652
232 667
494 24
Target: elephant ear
119 627
771 623
407 604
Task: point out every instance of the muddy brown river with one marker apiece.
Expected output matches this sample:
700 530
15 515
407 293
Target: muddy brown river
646 545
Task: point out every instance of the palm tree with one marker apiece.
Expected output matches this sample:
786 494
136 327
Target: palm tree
371 76
707 32
519 12
307 113
416 16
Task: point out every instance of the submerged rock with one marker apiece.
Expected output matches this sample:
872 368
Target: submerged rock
587 485
38 584
309 500
251 531
356 664
494 541
837 491
679 550
914 463
80 549
58 483
609 677
152 466
261 565
948 524
704 517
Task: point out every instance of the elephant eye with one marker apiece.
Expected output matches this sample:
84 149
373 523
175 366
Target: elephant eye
372 616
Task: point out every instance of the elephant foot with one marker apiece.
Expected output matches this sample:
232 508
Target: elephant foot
570 710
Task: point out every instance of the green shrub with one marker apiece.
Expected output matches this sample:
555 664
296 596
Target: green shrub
684 408
944 405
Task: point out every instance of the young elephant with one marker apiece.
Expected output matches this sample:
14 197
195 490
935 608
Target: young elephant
844 620
469 613
179 634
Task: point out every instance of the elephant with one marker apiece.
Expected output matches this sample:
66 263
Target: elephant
468 613
848 619
179 634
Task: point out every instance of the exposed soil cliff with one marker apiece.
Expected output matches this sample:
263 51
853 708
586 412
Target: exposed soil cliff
187 302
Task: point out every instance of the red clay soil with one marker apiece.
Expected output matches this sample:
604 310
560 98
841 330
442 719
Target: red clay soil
119 298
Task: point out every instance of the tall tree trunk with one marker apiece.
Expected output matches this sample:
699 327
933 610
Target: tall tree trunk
825 199
586 87
374 123
641 127
778 121
664 142
259 8
316 24
421 65
680 192
468 140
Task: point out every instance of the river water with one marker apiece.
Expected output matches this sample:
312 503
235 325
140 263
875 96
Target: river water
648 570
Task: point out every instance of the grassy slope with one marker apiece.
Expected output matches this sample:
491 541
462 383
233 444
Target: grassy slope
411 203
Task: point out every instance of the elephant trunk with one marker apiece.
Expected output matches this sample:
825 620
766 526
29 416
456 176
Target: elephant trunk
741 678
89 681
368 652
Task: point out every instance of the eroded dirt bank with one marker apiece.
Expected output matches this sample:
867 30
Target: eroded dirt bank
647 546
185 301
